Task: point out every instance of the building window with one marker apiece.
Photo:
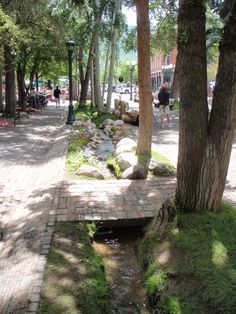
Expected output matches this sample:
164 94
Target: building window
168 59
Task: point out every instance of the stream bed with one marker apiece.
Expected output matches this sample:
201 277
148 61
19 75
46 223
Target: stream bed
118 248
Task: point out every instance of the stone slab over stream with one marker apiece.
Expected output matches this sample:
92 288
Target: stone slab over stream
112 200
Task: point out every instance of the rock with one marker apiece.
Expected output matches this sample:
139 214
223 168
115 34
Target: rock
78 123
126 145
107 130
162 169
126 141
106 122
126 160
134 173
119 123
90 171
153 164
90 125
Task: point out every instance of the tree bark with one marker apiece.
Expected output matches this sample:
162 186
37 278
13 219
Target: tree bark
105 72
113 55
144 80
204 146
10 81
21 87
1 93
223 118
97 83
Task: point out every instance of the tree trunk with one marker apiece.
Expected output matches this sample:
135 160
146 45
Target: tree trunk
97 83
92 85
10 82
222 119
85 83
113 56
105 72
1 94
21 87
175 84
144 80
204 147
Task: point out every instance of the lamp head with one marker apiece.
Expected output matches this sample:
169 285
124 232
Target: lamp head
70 44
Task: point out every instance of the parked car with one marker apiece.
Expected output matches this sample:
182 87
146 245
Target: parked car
125 88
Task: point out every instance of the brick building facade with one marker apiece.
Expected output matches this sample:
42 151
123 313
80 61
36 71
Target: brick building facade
162 69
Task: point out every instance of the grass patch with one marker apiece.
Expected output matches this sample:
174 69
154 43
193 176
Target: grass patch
74 280
170 169
193 268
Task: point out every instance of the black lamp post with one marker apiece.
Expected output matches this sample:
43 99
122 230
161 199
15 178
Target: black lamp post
71 117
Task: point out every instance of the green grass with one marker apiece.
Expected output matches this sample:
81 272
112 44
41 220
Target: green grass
200 274
74 280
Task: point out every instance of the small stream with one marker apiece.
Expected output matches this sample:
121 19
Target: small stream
118 248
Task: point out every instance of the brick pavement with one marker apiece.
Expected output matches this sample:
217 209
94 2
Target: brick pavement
32 160
113 200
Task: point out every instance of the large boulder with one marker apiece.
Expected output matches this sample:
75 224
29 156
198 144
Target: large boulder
119 123
161 169
106 122
90 171
126 160
126 141
136 172
125 145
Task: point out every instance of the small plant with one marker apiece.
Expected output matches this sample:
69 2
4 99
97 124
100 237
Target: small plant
113 165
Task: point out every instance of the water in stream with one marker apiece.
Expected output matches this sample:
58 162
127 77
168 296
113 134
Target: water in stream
118 247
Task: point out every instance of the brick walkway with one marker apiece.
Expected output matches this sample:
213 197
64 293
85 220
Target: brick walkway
113 199
31 161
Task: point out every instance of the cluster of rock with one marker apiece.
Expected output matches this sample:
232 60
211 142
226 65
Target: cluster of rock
124 153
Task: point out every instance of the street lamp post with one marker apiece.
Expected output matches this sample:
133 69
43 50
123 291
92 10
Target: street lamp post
70 47
131 65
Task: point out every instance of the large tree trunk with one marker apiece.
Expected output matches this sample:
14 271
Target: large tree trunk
113 55
223 118
1 93
105 71
204 147
21 87
97 83
10 81
144 80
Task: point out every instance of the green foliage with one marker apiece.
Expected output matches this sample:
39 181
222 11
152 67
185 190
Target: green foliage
77 152
74 280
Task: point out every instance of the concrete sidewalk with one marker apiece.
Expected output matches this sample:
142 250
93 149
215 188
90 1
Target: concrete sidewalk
166 140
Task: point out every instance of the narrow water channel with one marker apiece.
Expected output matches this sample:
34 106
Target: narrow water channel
118 247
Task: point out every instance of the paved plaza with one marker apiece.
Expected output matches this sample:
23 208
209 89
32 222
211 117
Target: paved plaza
34 193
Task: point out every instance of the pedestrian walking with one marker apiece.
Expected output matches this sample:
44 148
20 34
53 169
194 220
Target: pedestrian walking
163 97
57 94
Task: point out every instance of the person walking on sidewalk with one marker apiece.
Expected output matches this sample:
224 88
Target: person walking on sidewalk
163 97
57 94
